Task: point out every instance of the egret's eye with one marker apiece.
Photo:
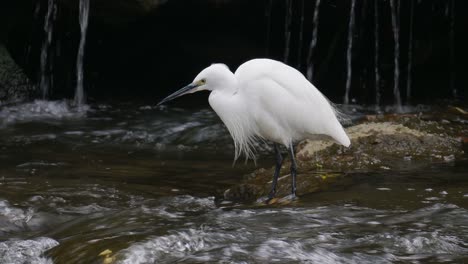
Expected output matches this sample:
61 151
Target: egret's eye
203 81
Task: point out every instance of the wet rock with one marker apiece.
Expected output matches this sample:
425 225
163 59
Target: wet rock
374 146
14 84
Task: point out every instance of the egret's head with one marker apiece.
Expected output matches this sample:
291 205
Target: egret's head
211 78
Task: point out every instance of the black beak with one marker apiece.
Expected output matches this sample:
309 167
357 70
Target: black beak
180 92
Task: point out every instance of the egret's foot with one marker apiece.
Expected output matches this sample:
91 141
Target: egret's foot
272 194
289 199
277 201
262 200
267 200
273 200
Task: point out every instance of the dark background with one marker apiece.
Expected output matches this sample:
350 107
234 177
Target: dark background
136 53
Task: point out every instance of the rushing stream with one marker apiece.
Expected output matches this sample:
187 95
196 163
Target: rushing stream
146 184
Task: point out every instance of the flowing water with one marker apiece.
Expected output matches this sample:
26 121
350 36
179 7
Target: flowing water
395 10
268 26
376 54
84 15
349 51
452 49
146 183
300 36
313 42
410 54
45 67
287 30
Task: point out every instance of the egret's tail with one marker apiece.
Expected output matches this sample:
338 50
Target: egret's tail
341 137
337 131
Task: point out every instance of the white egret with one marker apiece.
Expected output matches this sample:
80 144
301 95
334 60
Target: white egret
268 100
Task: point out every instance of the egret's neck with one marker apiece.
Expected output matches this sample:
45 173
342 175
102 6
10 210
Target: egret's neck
225 83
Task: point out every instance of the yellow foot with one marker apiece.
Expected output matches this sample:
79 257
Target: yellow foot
280 201
288 199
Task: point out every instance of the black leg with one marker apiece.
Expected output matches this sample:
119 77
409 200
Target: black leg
293 171
279 162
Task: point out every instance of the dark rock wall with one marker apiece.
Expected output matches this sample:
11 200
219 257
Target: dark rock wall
146 48
14 84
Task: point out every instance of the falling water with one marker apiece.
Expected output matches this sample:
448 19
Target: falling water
396 33
452 49
410 54
313 42
45 70
301 32
287 30
376 53
268 31
84 14
349 51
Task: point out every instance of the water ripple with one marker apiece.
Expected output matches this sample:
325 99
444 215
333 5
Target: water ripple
282 235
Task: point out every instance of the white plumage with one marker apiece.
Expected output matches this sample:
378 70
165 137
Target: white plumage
267 99
271 100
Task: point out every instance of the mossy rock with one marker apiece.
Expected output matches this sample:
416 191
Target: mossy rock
374 146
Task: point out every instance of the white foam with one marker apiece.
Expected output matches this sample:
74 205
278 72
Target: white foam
14 217
280 251
39 110
27 251
174 246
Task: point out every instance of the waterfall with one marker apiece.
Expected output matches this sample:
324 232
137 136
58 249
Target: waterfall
84 14
313 42
376 54
452 49
410 54
287 30
268 22
349 51
396 32
45 71
301 32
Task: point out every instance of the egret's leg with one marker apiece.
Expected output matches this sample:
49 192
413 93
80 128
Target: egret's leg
293 170
279 162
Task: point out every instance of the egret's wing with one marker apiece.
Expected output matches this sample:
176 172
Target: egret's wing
285 76
286 102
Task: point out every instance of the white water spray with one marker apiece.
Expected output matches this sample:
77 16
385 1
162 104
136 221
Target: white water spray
45 78
396 33
313 42
268 31
349 52
84 15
